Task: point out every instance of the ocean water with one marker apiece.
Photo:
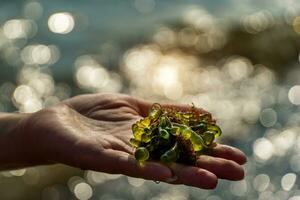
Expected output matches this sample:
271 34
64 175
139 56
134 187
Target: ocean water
237 59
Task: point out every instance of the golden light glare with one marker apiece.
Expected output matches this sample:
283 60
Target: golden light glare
178 66
258 21
198 18
239 68
174 91
166 75
296 24
26 99
92 76
140 59
36 90
176 76
43 85
31 105
165 37
23 93
62 23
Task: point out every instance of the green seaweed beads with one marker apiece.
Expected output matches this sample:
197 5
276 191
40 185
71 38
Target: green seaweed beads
174 135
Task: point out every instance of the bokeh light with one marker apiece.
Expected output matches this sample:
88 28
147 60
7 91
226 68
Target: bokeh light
296 24
239 188
93 76
263 149
261 182
83 191
33 10
294 95
258 22
62 23
268 117
239 61
288 181
19 28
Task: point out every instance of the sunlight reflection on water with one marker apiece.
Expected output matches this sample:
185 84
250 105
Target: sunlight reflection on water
257 109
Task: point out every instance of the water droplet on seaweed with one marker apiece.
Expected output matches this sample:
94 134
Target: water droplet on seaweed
157 182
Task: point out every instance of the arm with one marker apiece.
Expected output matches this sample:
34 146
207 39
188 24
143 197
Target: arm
11 155
92 132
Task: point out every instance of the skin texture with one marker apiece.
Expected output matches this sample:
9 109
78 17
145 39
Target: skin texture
93 131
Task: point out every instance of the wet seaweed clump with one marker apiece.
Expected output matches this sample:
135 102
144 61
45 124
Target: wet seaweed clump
172 135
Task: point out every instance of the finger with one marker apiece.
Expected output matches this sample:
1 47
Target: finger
225 169
194 176
230 153
118 162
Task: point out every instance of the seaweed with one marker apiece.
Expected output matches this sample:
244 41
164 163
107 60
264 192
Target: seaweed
173 135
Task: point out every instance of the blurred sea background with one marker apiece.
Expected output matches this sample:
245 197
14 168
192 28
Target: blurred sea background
237 59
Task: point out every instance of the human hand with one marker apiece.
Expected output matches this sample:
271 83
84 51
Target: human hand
93 131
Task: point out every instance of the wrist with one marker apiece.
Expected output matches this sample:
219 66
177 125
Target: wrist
12 154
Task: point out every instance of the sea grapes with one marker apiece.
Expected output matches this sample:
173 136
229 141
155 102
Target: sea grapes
172 135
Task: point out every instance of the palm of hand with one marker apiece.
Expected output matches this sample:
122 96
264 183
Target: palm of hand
93 132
